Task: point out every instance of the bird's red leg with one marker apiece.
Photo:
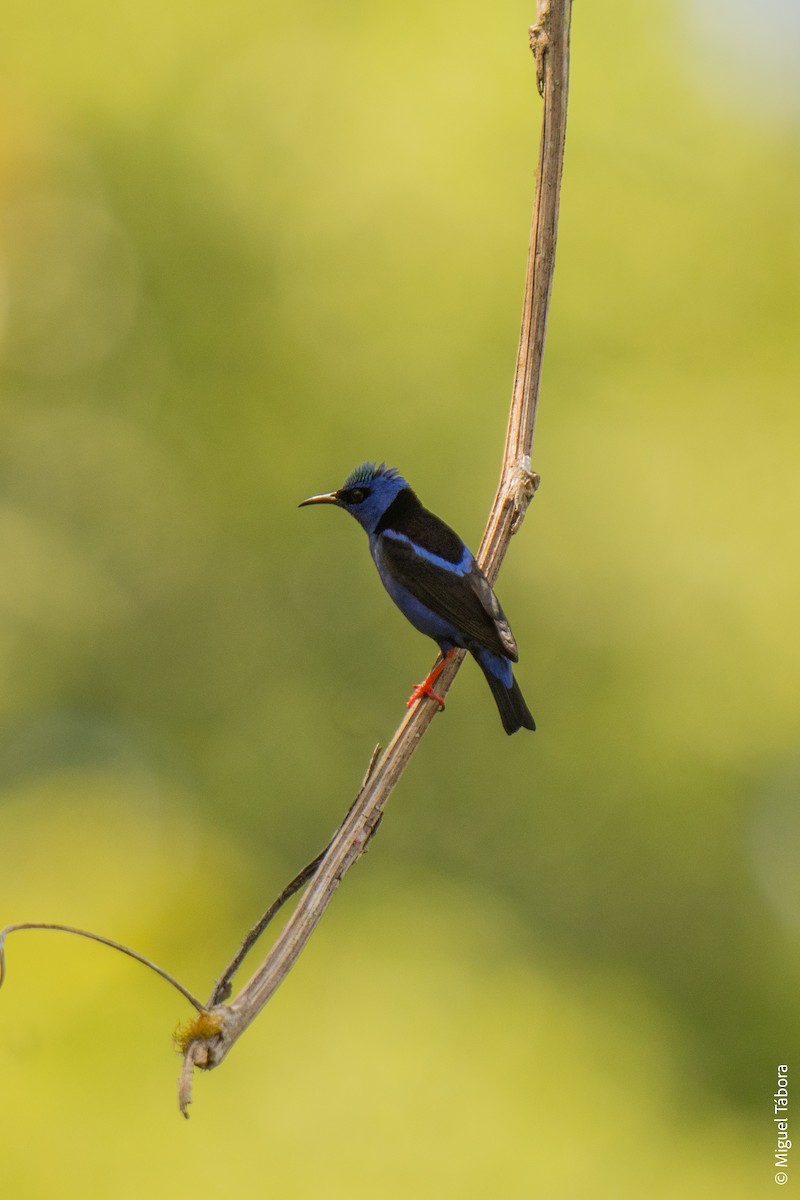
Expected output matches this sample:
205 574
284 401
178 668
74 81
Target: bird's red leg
426 687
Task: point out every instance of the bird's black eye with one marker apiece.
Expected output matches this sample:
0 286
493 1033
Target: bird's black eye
355 495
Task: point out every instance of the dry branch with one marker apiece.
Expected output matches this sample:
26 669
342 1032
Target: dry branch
209 1040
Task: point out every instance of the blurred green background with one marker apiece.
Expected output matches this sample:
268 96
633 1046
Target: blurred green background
245 246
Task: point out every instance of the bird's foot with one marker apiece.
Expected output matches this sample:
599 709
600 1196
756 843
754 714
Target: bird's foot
424 689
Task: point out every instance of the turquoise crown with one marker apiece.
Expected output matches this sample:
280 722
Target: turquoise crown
366 472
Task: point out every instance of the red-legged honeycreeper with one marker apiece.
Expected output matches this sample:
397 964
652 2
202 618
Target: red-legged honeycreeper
434 581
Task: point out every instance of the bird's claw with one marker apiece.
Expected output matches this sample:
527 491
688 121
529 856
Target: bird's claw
424 689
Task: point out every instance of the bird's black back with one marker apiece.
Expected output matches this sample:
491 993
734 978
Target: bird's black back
407 515
464 596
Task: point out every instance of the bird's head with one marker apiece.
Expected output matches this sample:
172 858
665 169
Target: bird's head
365 494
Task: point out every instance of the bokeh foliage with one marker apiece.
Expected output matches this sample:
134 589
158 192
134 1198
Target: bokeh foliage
245 247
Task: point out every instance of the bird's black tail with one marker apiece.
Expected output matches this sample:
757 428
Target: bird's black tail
514 712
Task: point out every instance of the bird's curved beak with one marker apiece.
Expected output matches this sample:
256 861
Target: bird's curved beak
325 498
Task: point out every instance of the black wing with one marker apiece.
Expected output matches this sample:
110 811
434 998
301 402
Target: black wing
466 600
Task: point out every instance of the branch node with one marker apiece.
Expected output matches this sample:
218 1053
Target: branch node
199 1041
203 1028
522 486
540 41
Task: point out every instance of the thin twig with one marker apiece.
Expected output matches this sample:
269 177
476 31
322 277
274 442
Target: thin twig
104 941
222 990
550 44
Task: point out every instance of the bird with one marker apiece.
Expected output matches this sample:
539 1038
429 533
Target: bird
435 582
